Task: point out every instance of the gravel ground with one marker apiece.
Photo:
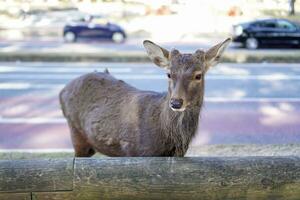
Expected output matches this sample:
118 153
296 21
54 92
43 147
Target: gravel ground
201 151
245 150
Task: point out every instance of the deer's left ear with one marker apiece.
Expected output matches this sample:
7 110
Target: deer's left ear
213 55
157 54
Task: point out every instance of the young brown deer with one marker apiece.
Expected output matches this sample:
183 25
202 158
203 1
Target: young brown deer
109 116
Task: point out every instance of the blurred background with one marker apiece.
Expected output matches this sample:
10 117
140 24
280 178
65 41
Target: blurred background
252 98
161 20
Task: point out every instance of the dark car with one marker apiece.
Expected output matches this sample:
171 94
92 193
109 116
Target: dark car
93 27
267 33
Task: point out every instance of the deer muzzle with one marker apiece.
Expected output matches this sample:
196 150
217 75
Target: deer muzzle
176 104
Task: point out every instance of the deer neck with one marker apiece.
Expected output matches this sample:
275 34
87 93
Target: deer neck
179 127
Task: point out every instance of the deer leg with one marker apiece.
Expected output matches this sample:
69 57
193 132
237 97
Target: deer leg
80 143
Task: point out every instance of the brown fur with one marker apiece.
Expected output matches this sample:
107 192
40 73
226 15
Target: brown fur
109 116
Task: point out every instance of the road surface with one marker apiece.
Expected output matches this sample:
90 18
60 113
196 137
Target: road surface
244 103
130 46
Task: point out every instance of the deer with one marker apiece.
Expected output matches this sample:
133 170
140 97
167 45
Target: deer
109 116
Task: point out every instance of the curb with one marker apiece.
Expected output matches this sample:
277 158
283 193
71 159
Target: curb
233 56
217 150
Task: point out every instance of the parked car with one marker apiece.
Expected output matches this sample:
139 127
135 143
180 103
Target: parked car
266 33
93 27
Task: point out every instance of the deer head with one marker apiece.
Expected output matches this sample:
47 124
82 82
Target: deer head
185 72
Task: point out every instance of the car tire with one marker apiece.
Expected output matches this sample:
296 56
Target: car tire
251 43
70 37
118 37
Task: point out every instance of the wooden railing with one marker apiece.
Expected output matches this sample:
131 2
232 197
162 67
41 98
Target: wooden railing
186 178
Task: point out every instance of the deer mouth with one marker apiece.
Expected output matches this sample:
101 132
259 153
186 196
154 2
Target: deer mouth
178 109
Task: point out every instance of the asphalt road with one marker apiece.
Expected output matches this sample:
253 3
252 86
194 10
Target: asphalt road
244 103
131 45
87 46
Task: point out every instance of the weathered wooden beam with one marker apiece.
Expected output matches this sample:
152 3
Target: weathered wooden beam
188 178
15 196
67 195
219 178
36 175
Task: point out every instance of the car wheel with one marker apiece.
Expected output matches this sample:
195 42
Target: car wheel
70 36
118 37
251 43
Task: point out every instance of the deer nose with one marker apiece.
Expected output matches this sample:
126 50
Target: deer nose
176 103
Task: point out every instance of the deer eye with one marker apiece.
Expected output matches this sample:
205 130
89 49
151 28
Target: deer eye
198 76
169 75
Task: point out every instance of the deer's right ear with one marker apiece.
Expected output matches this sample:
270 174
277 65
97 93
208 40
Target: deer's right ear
157 54
213 55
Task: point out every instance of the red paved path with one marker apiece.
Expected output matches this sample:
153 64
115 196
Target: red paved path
221 122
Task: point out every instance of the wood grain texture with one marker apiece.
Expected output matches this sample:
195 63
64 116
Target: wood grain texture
240 178
15 196
193 178
53 195
36 175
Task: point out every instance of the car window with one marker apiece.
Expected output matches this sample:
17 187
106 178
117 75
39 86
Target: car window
269 24
285 25
256 24
101 21
265 24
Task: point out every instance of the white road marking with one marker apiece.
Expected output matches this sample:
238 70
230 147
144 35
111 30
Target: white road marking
32 120
6 69
132 64
36 150
26 86
251 100
275 77
70 65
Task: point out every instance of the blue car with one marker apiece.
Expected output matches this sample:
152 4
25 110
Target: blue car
93 27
